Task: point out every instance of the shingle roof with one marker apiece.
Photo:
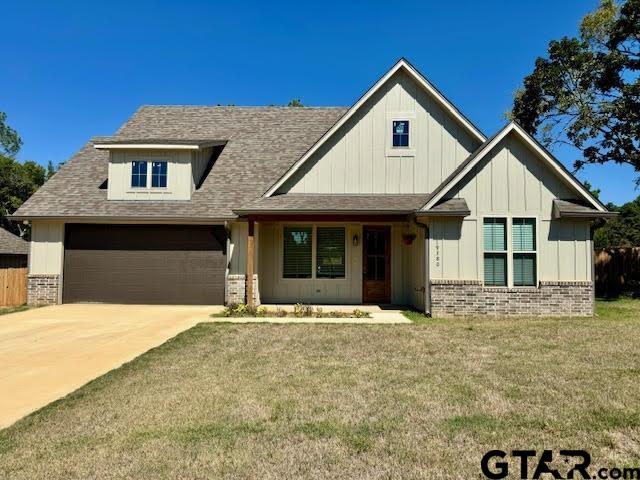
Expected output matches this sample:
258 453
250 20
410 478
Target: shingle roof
453 207
11 244
336 203
262 143
575 209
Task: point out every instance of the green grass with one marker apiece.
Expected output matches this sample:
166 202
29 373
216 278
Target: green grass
422 400
6 310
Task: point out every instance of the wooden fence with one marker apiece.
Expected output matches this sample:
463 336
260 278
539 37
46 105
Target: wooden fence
617 271
13 280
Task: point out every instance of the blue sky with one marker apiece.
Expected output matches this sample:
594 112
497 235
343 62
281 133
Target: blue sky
71 70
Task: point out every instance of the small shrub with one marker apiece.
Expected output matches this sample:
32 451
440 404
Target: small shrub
318 312
357 313
301 310
281 313
262 312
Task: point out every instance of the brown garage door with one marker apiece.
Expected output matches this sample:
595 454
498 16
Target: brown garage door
146 264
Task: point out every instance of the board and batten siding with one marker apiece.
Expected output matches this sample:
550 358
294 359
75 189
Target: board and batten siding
180 181
407 269
359 157
511 181
46 252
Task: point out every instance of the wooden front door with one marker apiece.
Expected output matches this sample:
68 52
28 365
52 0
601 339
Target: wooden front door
376 265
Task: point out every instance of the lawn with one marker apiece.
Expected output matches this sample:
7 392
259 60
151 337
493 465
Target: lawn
425 400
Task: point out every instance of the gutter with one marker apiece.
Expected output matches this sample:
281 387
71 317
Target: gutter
124 220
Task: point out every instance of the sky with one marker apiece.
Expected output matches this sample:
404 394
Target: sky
73 70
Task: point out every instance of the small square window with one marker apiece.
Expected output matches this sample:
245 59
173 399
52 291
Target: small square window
159 174
400 133
139 174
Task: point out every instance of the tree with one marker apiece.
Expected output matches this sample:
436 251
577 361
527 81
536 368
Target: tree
295 102
622 231
587 92
18 181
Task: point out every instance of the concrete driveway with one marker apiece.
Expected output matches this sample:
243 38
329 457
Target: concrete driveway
46 353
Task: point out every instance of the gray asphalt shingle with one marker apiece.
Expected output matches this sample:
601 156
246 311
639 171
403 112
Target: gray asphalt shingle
11 244
329 203
262 143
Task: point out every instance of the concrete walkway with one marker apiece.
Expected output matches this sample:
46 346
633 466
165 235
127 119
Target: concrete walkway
46 353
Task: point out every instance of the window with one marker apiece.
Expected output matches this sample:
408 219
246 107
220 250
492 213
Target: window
524 252
330 252
297 252
139 174
159 174
495 252
401 133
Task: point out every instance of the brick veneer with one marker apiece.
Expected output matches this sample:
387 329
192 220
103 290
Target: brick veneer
236 289
42 289
469 297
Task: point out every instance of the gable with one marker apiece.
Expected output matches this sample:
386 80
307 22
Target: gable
359 157
492 148
512 178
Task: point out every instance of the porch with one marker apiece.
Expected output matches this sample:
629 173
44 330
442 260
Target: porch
336 261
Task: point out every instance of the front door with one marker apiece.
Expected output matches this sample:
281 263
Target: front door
376 265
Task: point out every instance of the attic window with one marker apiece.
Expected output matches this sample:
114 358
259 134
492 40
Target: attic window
139 174
159 174
400 133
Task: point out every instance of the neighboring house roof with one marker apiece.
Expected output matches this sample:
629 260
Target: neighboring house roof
453 207
262 142
573 209
465 167
11 244
420 79
335 203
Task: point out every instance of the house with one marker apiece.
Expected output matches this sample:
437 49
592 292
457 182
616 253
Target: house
398 199
14 252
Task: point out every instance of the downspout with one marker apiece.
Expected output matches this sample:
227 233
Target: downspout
427 282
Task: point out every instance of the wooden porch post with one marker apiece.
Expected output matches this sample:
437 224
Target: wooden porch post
250 300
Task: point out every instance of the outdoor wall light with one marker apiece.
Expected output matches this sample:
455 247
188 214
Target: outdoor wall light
355 240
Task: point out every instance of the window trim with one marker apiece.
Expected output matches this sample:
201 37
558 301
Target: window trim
166 175
314 251
504 252
146 175
149 161
297 225
344 257
400 116
510 251
408 134
534 251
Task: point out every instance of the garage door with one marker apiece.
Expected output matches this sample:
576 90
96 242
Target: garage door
146 264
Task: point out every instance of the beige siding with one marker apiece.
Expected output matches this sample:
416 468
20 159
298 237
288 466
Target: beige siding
360 159
179 176
511 181
47 248
406 270
200 161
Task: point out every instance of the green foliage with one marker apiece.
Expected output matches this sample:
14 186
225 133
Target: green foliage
300 310
18 181
587 92
622 231
295 102
10 141
594 191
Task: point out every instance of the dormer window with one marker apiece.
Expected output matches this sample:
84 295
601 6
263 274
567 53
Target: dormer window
159 174
139 174
401 133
